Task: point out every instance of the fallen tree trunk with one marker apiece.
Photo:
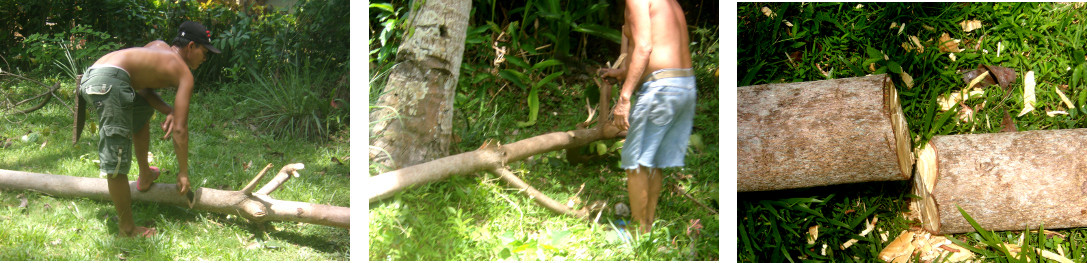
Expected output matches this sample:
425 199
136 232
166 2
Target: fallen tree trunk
819 133
253 206
492 157
489 157
1004 181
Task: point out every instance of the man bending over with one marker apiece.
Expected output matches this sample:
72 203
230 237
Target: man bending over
120 86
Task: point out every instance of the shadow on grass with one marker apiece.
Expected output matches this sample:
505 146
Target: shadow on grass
319 242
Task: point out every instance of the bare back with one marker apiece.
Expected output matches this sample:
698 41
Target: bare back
149 68
670 39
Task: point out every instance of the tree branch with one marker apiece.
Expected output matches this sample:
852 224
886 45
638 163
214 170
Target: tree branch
257 208
538 196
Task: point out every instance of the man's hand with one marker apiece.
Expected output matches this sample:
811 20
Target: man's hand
182 183
168 125
618 74
620 113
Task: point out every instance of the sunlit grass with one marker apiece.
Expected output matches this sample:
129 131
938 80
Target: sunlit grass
222 146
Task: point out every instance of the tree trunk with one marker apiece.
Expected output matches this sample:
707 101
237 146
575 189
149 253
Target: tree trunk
1004 181
255 207
818 133
413 119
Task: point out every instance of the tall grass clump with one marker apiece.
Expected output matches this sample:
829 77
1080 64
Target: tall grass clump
298 102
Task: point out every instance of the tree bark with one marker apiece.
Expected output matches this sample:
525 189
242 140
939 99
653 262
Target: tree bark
255 207
413 119
489 157
819 133
1004 181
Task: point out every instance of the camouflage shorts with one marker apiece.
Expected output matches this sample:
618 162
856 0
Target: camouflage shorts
121 112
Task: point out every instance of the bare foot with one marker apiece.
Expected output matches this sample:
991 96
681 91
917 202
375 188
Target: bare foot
144 232
143 183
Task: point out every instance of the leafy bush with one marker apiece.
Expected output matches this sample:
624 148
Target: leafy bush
81 44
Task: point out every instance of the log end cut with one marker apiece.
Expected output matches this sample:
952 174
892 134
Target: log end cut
923 183
899 128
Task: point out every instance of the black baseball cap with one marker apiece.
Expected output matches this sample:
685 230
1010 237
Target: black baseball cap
196 32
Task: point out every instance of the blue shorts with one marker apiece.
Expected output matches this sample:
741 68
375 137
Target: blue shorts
660 123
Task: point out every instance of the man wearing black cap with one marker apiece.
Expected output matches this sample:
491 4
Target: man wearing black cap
120 86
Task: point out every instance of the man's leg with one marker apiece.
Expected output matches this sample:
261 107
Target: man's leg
141 140
654 192
637 186
122 200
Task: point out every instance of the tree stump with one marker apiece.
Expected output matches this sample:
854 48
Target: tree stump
1004 181
817 133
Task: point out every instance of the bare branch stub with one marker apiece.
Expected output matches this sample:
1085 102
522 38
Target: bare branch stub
248 189
284 174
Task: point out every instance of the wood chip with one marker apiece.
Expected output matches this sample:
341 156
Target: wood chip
901 247
813 234
970 25
1028 93
1064 98
948 44
907 79
1055 113
769 13
917 43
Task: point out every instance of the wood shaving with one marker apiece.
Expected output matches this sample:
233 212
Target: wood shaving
948 44
1064 98
906 79
970 25
813 234
769 13
1028 93
917 43
919 244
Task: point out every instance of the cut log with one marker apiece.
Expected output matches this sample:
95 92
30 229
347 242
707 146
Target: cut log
1004 181
255 207
819 133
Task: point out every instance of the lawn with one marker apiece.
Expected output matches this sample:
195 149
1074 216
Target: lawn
794 42
227 148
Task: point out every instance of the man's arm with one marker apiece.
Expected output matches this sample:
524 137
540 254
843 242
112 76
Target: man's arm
155 100
619 71
641 36
637 17
180 128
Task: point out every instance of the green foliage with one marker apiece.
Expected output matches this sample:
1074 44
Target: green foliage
389 21
77 48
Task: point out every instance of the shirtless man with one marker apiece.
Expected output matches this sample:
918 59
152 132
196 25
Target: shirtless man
658 66
120 86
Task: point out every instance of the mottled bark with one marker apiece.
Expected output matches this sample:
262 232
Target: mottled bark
1004 181
413 119
819 133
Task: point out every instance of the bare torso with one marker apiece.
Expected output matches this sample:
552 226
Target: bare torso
148 67
670 38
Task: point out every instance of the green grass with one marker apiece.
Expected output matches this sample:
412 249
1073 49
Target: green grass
222 143
1043 37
